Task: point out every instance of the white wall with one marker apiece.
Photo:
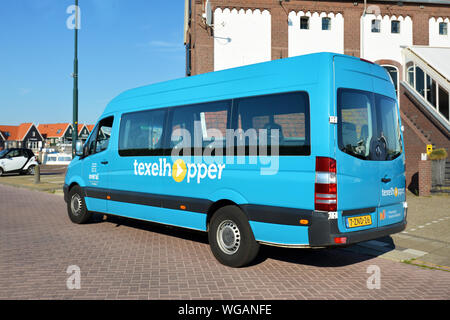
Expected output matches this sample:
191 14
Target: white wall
241 37
314 39
385 45
437 40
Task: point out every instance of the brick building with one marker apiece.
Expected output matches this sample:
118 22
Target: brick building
409 38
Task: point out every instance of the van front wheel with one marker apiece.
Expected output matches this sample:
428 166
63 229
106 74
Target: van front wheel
76 206
231 238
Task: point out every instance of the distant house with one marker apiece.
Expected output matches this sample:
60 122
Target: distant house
2 141
90 127
83 132
56 133
25 135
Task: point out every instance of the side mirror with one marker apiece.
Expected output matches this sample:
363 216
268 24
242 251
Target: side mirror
79 148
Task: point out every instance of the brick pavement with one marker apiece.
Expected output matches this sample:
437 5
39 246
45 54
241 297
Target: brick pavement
127 259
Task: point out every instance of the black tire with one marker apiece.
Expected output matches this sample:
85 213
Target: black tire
1 172
231 239
76 206
31 170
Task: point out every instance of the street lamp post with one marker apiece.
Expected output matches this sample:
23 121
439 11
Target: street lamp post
75 84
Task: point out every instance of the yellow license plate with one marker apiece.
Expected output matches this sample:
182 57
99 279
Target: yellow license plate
359 221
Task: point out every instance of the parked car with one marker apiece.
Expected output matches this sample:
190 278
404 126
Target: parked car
17 160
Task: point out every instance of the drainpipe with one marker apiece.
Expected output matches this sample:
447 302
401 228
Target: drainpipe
361 53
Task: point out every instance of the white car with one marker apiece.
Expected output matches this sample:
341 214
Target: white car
17 160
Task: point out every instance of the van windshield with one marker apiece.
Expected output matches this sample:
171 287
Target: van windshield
368 125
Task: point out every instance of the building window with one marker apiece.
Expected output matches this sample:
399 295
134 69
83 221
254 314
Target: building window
393 73
443 103
376 25
395 26
443 28
304 23
326 23
420 81
410 73
431 90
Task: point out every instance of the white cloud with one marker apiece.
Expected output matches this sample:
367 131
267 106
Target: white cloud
24 91
162 46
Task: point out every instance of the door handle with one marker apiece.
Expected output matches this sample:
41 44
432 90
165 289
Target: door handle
385 180
104 162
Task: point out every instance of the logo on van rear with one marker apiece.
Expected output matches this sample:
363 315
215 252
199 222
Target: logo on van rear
392 192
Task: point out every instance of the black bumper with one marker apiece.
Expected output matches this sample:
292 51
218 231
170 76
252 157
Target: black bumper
66 192
323 231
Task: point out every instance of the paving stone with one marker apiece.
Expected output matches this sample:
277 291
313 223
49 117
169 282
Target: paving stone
127 259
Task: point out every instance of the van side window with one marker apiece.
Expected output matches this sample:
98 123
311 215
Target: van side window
281 119
200 126
141 133
104 134
89 147
99 139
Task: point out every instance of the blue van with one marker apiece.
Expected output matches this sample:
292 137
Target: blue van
298 152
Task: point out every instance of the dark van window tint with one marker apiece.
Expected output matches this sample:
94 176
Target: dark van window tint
99 140
141 133
389 126
281 119
356 127
199 126
368 125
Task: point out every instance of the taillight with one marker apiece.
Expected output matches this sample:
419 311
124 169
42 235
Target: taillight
325 193
340 240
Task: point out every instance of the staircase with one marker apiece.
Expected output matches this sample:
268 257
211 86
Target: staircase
424 135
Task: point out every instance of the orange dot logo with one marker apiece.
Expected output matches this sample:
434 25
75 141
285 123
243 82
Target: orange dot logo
179 170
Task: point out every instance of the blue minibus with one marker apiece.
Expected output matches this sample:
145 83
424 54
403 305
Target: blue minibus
298 152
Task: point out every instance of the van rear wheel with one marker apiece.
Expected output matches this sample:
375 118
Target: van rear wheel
76 206
231 238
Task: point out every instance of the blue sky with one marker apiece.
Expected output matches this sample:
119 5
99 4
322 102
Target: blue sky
122 44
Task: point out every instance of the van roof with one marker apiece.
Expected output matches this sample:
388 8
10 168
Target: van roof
257 79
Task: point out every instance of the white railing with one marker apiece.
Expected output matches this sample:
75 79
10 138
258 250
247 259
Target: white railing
437 83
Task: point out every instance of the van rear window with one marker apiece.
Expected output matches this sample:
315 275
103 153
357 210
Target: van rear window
368 125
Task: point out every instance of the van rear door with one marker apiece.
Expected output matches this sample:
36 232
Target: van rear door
391 164
370 161
358 182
